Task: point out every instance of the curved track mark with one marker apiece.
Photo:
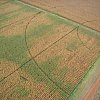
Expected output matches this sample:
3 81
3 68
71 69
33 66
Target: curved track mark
37 54
79 36
81 39
36 62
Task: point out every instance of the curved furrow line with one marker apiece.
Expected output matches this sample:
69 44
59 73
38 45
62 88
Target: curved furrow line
35 60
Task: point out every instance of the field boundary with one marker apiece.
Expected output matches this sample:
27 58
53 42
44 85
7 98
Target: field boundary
77 86
63 17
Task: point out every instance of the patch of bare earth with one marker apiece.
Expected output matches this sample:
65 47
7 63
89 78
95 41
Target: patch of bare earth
80 11
94 24
91 93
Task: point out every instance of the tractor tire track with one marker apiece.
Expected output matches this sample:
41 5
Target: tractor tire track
79 36
37 54
35 60
81 39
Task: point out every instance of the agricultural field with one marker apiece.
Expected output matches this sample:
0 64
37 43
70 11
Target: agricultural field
86 12
43 56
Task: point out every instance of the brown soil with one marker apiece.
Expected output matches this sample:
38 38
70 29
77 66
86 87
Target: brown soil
94 24
91 93
80 10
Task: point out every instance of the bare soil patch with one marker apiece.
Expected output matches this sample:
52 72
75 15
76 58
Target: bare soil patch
92 92
79 10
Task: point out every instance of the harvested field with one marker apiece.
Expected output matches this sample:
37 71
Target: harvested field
80 11
43 56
